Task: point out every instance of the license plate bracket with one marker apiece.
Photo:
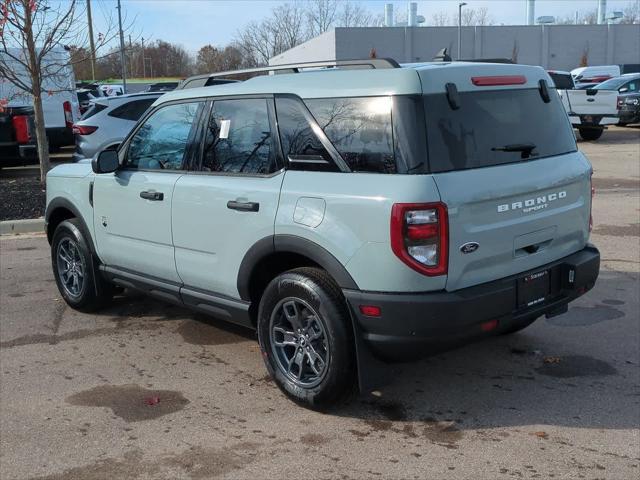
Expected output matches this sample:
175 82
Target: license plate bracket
533 289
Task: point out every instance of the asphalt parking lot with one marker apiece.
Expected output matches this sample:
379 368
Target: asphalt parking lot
145 390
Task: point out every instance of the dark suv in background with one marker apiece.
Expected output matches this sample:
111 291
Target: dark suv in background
628 87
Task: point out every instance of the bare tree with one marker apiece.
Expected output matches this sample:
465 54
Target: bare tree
583 17
631 13
32 34
295 22
475 17
589 17
283 29
440 19
211 59
353 14
321 16
482 17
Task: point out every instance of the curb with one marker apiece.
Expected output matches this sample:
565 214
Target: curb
13 227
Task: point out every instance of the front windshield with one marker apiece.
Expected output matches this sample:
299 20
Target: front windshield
611 84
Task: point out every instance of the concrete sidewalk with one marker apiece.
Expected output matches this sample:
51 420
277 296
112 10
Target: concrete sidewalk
13 227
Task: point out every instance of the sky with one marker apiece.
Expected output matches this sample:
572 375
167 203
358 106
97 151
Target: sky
194 23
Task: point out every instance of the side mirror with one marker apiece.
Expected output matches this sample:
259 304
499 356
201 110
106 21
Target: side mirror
623 90
106 161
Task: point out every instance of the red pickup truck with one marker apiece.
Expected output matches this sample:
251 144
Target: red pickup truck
17 136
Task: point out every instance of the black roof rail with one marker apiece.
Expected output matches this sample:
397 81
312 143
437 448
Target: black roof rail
372 63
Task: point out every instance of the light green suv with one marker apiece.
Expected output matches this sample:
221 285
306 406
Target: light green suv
348 211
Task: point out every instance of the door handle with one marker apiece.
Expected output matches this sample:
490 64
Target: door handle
151 195
243 206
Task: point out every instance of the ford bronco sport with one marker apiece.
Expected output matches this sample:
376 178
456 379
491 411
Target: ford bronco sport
353 213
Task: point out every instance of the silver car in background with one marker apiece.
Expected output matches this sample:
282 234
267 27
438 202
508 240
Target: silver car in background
108 120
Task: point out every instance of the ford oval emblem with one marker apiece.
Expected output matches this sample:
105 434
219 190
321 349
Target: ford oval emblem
469 247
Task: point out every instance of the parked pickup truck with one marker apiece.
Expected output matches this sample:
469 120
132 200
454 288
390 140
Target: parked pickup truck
17 136
589 110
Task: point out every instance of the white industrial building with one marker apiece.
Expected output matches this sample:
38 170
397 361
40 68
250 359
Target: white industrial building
559 47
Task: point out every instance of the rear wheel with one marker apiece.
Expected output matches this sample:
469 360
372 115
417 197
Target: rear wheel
306 338
74 269
590 134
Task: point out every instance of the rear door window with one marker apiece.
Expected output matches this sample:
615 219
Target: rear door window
495 128
360 129
238 138
132 110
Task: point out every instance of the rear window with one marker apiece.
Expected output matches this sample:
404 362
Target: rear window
494 127
132 110
93 109
84 96
612 84
562 81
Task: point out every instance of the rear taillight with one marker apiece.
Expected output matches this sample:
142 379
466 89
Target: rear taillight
68 115
499 80
21 128
620 102
419 236
593 193
83 129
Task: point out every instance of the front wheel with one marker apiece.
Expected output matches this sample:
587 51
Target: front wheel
590 134
74 269
305 335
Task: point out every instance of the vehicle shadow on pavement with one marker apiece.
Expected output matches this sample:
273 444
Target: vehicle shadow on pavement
133 309
576 370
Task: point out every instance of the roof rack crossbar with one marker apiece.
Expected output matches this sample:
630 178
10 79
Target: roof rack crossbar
375 63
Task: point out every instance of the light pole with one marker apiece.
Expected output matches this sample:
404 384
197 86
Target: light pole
460 5
91 44
122 60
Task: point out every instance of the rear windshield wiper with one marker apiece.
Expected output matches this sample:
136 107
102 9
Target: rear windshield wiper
525 148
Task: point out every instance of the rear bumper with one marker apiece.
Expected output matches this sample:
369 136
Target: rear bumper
629 114
13 155
592 121
418 324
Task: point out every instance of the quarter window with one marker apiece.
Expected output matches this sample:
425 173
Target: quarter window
161 142
300 144
360 129
238 138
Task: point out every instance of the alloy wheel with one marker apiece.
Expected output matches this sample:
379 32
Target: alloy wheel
299 342
71 267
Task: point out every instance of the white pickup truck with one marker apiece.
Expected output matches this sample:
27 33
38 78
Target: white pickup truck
590 110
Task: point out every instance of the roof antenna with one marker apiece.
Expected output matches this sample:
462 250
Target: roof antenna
442 56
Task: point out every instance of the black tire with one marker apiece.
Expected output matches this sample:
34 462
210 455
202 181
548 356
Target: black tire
310 292
93 292
590 134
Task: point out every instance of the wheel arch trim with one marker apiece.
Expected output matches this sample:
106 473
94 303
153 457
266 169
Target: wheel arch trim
64 203
273 244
